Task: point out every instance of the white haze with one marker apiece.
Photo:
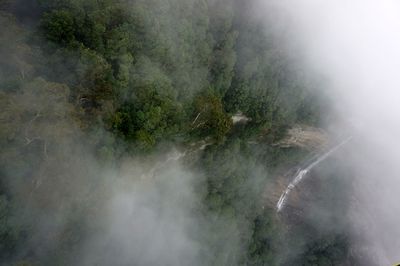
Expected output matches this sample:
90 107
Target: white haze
147 221
355 45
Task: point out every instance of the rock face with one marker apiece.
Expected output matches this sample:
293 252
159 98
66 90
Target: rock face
315 140
306 137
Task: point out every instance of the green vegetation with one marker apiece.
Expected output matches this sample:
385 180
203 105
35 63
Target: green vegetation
127 78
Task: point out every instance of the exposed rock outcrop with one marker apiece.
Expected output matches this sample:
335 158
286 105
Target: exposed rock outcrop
306 137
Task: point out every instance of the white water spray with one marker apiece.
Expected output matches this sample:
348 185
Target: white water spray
302 172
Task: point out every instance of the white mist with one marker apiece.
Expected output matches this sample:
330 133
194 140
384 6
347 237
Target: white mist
355 44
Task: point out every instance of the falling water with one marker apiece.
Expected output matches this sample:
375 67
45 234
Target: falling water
302 172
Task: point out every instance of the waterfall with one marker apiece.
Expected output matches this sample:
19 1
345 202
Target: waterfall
302 172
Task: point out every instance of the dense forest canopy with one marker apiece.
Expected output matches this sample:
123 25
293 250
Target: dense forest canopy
92 92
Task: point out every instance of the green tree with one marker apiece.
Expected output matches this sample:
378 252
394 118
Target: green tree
210 118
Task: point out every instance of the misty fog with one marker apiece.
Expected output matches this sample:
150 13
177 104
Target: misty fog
165 132
355 46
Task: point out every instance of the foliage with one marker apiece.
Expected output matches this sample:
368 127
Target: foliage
117 77
211 119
